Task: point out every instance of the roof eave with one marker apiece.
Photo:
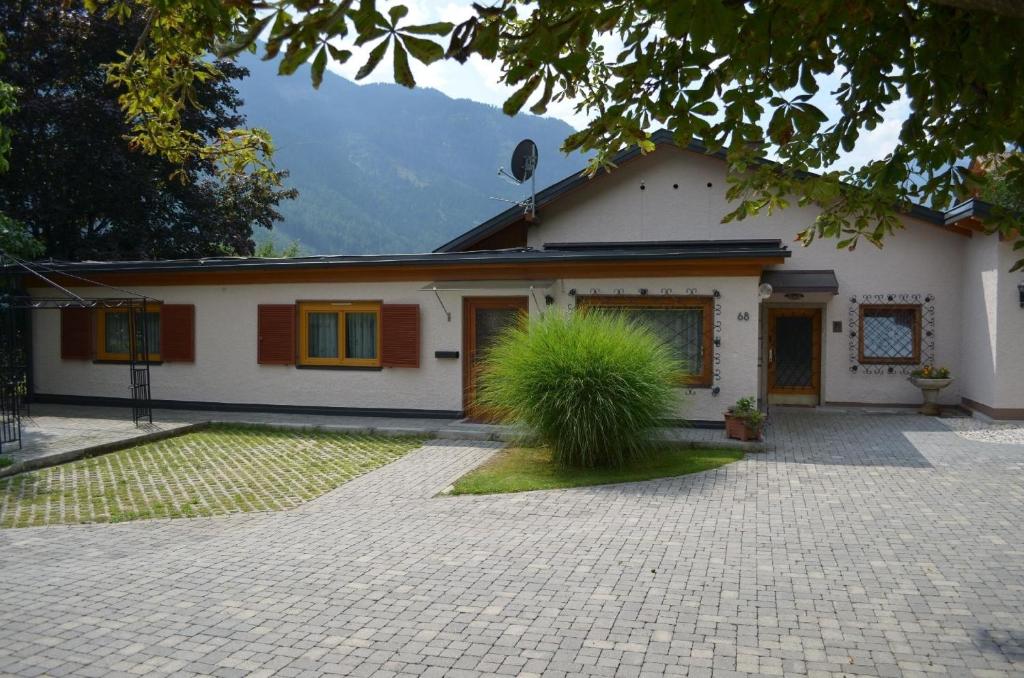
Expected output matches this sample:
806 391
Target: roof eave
480 258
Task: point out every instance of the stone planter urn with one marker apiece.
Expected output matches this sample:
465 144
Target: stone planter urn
930 389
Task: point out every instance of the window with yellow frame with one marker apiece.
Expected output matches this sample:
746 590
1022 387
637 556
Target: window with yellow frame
339 333
114 330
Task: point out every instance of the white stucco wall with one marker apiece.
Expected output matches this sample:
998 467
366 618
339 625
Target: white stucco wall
678 204
981 269
225 369
993 326
1009 391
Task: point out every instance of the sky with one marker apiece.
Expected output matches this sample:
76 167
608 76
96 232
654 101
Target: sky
480 81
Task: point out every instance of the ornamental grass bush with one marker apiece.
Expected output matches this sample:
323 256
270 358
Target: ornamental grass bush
590 386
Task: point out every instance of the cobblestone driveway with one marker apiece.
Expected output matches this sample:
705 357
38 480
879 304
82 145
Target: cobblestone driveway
864 546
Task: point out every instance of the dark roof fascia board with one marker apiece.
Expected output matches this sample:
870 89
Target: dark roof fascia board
970 208
662 136
725 250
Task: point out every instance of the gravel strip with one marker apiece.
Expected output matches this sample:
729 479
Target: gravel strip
985 432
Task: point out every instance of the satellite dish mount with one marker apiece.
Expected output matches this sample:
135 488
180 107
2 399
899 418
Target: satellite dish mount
524 168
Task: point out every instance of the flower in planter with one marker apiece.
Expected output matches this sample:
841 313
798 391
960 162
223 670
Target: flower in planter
931 372
743 420
930 380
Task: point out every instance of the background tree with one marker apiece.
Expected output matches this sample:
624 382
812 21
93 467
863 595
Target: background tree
1000 189
743 76
269 249
76 179
14 237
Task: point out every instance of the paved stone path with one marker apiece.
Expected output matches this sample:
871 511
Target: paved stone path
58 432
882 545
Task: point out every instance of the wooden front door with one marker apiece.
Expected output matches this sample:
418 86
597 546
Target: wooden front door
794 356
483 319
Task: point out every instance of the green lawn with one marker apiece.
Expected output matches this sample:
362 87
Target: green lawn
214 471
518 469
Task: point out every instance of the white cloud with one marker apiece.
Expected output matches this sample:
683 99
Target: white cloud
879 142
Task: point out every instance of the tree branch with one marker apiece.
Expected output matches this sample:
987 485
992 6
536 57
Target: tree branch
140 44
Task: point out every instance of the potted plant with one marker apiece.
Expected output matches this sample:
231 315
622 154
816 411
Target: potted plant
930 380
743 421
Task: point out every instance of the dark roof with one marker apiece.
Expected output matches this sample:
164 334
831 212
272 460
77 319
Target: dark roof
709 249
784 280
694 246
973 207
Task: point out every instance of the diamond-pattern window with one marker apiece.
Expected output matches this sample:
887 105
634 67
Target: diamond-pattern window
794 353
680 328
890 334
683 323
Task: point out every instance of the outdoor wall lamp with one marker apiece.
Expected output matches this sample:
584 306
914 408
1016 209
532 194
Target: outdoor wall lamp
1020 292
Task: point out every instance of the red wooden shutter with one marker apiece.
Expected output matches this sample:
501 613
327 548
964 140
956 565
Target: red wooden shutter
276 334
75 334
177 333
400 335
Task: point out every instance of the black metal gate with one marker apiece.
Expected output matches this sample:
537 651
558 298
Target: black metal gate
14 372
16 306
10 416
138 360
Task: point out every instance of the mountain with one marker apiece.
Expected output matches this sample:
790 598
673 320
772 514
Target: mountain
381 168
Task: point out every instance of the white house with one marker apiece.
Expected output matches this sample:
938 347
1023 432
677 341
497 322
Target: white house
400 334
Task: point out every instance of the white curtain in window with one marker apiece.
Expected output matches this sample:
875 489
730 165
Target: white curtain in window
152 344
115 333
323 335
361 335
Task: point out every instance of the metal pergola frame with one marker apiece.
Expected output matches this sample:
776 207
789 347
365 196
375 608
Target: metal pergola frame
15 343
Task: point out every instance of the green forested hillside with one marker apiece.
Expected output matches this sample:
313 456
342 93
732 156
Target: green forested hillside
380 168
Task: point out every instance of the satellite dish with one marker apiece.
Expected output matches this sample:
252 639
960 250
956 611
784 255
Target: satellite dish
764 290
524 167
524 160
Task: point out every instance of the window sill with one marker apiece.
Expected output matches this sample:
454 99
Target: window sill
343 368
127 362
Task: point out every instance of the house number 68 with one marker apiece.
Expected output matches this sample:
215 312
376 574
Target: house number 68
743 316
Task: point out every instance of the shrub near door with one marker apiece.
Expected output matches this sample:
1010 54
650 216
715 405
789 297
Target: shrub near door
591 385
743 421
